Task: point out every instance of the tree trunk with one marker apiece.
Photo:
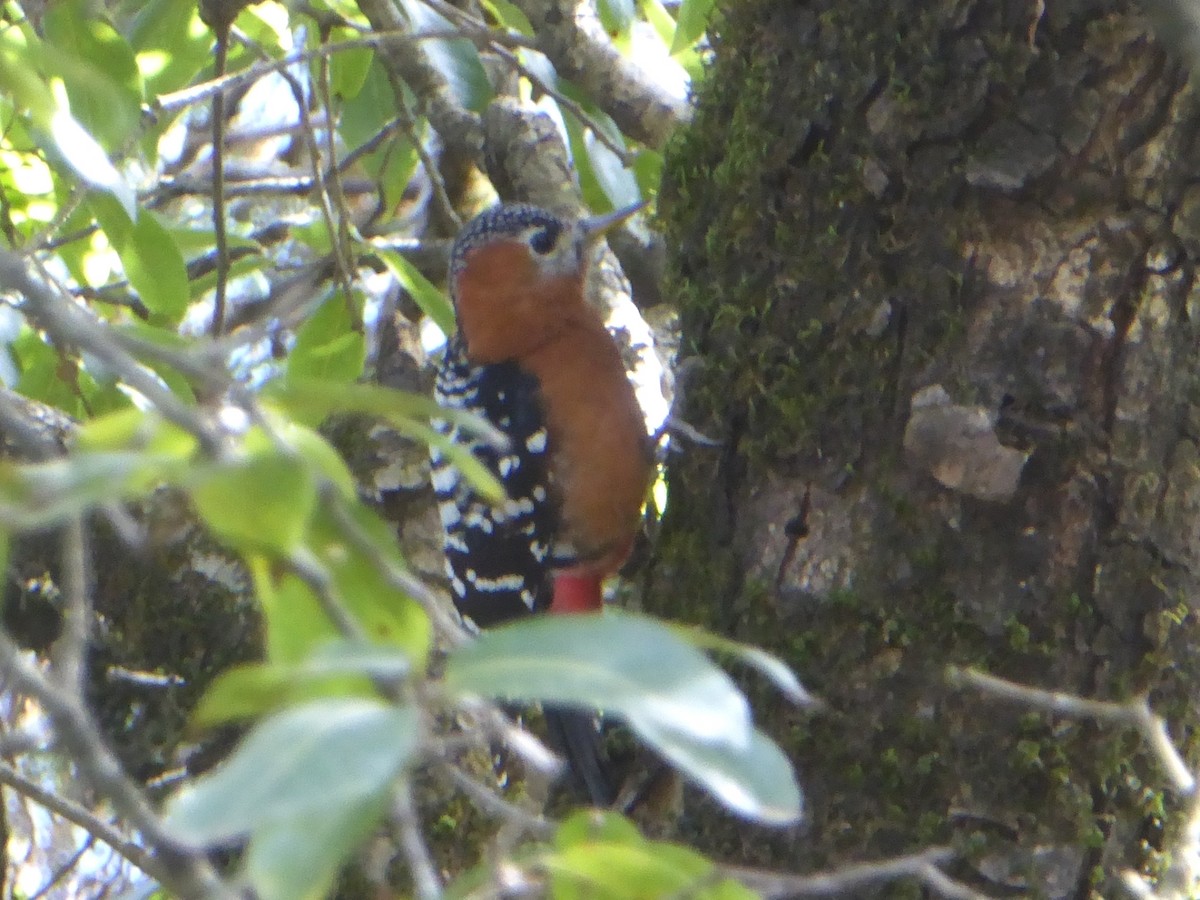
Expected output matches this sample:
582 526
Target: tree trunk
937 260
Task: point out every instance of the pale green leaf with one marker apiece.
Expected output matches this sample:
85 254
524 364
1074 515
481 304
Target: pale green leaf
668 692
691 23
299 859
262 501
323 758
772 667
432 302
336 668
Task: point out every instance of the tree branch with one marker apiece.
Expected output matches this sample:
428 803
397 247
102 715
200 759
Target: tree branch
572 36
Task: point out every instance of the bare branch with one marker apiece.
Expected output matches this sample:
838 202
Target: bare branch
1134 713
426 883
85 819
572 36
922 867
405 58
71 646
183 869
69 324
491 802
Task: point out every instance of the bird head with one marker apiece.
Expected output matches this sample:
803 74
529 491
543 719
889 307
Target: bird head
516 272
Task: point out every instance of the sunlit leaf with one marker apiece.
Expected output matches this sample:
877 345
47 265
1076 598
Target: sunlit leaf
262 501
85 155
616 16
619 184
597 853
756 781
691 23
330 345
336 668
432 302
170 42
656 14
98 69
456 60
509 15
327 758
386 614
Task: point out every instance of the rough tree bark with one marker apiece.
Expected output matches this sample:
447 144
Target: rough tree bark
923 227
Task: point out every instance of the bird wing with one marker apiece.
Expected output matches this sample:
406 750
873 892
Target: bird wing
497 557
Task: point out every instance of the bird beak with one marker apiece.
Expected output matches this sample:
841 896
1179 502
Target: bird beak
595 227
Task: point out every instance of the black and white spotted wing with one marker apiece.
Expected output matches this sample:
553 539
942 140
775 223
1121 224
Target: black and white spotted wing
497 557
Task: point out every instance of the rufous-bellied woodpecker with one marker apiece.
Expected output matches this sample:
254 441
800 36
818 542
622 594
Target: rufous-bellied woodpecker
534 359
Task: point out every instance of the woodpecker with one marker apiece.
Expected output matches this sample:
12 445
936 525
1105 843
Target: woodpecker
534 359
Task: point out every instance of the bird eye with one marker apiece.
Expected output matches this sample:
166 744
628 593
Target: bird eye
542 241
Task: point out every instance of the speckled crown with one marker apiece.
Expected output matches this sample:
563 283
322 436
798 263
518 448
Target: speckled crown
504 220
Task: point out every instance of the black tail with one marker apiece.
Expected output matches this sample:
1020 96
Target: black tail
574 734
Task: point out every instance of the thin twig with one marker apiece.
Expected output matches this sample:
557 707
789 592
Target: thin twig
1134 713
59 874
71 324
198 93
426 883
447 625
71 647
218 187
847 880
84 818
491 802
182 869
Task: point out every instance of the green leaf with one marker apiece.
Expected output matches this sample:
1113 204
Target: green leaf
456 60
323 758
300 858
321 455
756 780
432 302
260 502
656 14
330 344
648 168
510 16
295 622
691 23
772 667
98 69
155 267
589 184
336 668
602 854
137 430
616 16
36 495
619 184
149 256
312 400
171 44
668 692
85 155
387 614
348 69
